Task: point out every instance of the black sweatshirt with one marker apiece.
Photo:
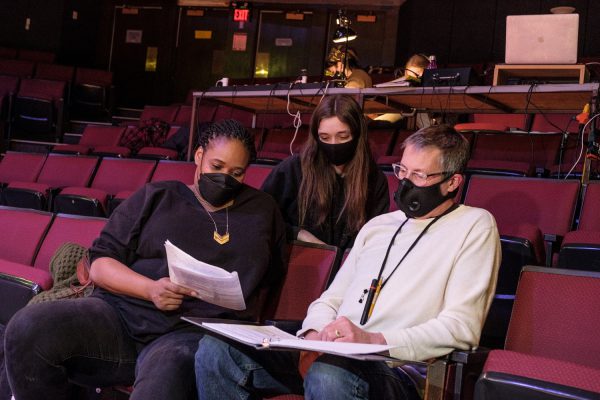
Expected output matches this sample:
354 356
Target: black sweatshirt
138 228
283 183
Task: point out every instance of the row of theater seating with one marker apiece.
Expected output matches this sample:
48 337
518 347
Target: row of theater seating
538 351
292 305
496 152
550 351
31 237
40 102
93 185
27 242
11 53
539 219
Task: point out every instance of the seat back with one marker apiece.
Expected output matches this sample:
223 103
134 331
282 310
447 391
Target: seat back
184 116
61 170
381 141
548 204
589 219
554 315
55 72
21 234
516 121
8 52
118 174
21 167
256 175
8 88
309 268
8 85
538 150
37 56
20 68
554 123
164 113
227 112
101 135
67 228
44 89
167 170
393 183
276 142
93 76
395 153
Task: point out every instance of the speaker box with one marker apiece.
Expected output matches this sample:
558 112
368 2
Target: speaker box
463 76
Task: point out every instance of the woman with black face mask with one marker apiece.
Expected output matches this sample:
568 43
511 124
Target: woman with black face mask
129 330
329 191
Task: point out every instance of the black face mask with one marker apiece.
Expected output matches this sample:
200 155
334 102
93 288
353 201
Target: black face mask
217 188
417 201
341 153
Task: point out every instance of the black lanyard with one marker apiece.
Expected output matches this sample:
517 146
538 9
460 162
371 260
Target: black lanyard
378 284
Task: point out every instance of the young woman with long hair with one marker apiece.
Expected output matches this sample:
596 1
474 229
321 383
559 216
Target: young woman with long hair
329 191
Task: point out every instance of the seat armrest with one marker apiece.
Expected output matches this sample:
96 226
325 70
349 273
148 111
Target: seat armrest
552 244
454 376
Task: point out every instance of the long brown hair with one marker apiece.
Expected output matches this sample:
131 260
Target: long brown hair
318 174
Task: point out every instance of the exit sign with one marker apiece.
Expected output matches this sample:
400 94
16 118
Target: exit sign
241 14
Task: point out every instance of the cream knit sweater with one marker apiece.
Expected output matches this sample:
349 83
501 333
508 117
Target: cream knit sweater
437 299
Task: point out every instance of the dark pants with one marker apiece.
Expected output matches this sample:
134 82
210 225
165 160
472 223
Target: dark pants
48 346
228 370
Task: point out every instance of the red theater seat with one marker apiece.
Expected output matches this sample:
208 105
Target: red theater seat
277 142
552 348
256 175
580 249
98 139
113 176
21 167
527 211
59 171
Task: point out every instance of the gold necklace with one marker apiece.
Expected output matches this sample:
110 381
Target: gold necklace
221 239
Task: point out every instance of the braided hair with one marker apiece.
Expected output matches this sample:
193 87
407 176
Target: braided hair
231 129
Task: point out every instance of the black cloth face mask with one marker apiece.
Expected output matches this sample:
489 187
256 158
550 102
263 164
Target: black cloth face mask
217 188
417 201
340 153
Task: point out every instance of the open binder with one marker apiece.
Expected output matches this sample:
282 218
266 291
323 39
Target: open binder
267 337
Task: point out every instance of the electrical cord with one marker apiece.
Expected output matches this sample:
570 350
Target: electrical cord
582 145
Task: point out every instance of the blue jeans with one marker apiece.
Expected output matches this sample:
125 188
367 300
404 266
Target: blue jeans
227 370
49 346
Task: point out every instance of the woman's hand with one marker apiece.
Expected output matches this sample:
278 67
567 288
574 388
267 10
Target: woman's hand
166 295
306 236
343 330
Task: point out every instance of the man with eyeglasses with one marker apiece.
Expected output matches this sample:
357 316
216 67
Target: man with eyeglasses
421 278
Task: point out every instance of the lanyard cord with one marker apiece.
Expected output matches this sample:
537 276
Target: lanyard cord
377 284
412 246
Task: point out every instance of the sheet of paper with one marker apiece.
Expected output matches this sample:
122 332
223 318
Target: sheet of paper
212 284
270 336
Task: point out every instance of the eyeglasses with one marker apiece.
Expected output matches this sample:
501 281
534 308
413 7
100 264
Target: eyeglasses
419 177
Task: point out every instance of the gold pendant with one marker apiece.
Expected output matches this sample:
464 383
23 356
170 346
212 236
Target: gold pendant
221 239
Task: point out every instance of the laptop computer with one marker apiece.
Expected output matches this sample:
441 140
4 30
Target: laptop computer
542 39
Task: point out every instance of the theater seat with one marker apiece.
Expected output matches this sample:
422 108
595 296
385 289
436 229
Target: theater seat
552 347
113 176
580 249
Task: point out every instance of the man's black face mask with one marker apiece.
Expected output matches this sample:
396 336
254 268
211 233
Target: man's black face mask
417 201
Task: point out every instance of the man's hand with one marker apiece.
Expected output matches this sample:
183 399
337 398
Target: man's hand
343 330
166 295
